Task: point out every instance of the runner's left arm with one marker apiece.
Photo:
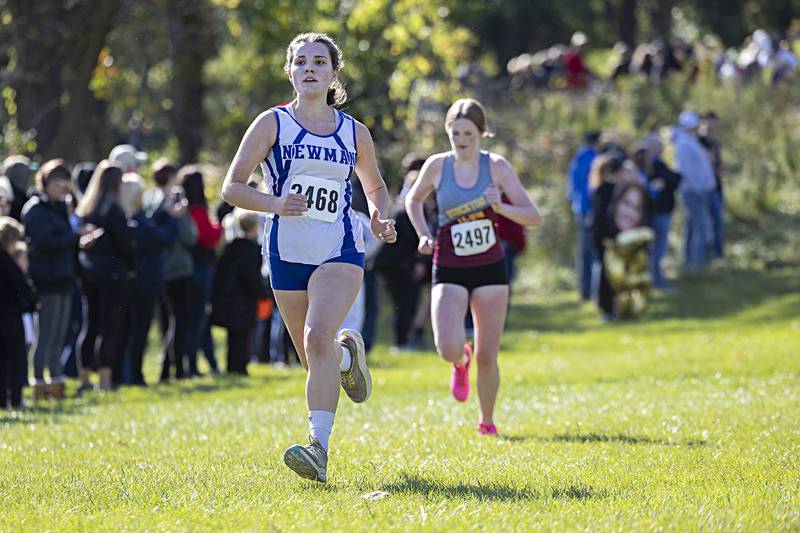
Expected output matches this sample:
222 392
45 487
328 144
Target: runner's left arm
521 210
373 185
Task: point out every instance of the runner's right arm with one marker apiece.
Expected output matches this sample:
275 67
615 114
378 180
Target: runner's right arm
258 139
424 185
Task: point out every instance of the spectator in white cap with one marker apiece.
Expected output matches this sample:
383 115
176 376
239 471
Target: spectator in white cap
696 188
574 68
127 157
6 196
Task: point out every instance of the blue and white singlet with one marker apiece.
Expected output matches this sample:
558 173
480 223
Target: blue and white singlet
319 166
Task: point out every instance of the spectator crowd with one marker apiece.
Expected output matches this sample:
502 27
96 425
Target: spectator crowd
622 201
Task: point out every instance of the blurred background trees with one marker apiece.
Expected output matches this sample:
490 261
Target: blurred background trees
185 75
184 78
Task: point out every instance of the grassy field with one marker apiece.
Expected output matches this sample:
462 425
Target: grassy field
688 420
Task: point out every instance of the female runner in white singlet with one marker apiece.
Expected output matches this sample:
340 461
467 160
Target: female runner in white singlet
468 262
308 152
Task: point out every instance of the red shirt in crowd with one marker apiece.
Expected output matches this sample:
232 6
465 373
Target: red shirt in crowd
209 232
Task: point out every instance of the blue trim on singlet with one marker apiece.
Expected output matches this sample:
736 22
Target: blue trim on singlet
348 240
339 115
271 173
300 135
283 174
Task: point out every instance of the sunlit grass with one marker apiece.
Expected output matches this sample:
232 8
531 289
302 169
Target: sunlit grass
686 420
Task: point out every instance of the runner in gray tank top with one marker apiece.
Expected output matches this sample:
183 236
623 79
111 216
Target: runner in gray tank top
468 266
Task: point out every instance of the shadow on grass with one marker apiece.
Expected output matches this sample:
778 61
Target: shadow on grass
619 438
711 295
209 385
50 412
491 491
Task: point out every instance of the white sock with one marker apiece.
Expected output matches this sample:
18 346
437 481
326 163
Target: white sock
320 425
346 361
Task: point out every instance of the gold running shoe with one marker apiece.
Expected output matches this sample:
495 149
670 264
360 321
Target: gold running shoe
309 461
357 381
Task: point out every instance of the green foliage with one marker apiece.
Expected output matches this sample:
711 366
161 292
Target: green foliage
388 47
13 140
685 421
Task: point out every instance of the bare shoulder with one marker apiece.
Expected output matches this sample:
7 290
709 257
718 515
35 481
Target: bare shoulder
435 162
265 122
499 162
362 132
501 168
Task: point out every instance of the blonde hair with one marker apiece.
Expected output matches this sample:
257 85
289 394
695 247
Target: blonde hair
337 95
470 109
54 167
130 189
603 168
246 220
11 232
19 250
103 190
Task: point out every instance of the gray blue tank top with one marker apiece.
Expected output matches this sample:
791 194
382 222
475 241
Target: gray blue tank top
466 236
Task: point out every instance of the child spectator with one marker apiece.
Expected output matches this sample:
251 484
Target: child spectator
16 297
238 285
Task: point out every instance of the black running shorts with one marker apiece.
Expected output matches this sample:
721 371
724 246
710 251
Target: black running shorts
472 277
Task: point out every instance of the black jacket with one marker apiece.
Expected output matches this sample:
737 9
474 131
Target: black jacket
238 284
113 255
16 293
52 244
663 201
603 226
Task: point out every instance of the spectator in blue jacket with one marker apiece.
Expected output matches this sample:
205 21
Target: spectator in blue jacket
151 236
52 250
580 197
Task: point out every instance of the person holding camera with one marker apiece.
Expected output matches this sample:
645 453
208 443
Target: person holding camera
178 267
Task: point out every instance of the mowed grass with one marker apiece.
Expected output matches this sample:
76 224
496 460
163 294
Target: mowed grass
686 420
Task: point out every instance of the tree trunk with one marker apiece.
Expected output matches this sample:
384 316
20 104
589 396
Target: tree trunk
57 45
189 35
627 22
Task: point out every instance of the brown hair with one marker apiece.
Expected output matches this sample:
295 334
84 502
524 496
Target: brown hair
163 170
337 95
470 109
54 168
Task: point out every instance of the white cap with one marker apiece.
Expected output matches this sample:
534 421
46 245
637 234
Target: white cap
126 156
578 39
6 191
688 120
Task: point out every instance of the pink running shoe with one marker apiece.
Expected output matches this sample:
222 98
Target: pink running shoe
487 429
459 384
